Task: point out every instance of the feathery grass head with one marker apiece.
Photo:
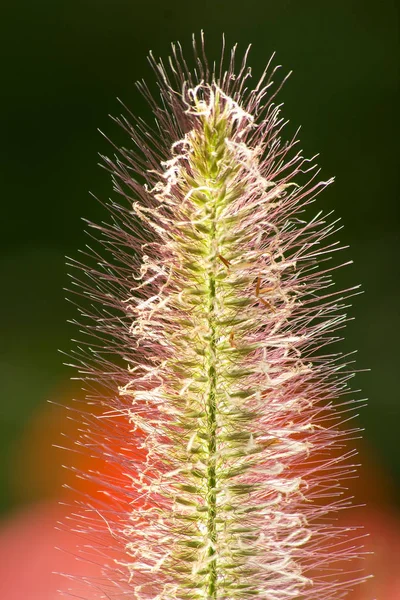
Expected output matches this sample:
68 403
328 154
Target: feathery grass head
212 321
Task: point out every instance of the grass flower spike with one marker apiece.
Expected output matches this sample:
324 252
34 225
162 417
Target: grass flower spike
212 316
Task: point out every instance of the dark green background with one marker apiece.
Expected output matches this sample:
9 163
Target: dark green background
64 64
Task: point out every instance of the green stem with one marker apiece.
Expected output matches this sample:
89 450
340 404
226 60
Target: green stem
214 138
212 422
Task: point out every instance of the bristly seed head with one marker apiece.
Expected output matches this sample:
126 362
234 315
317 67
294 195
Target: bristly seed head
215 295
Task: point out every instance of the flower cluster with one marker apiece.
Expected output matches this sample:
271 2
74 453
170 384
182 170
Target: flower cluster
214 298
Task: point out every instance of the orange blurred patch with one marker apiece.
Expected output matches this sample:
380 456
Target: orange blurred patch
65 454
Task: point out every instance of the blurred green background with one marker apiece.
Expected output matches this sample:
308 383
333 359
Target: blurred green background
63 65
